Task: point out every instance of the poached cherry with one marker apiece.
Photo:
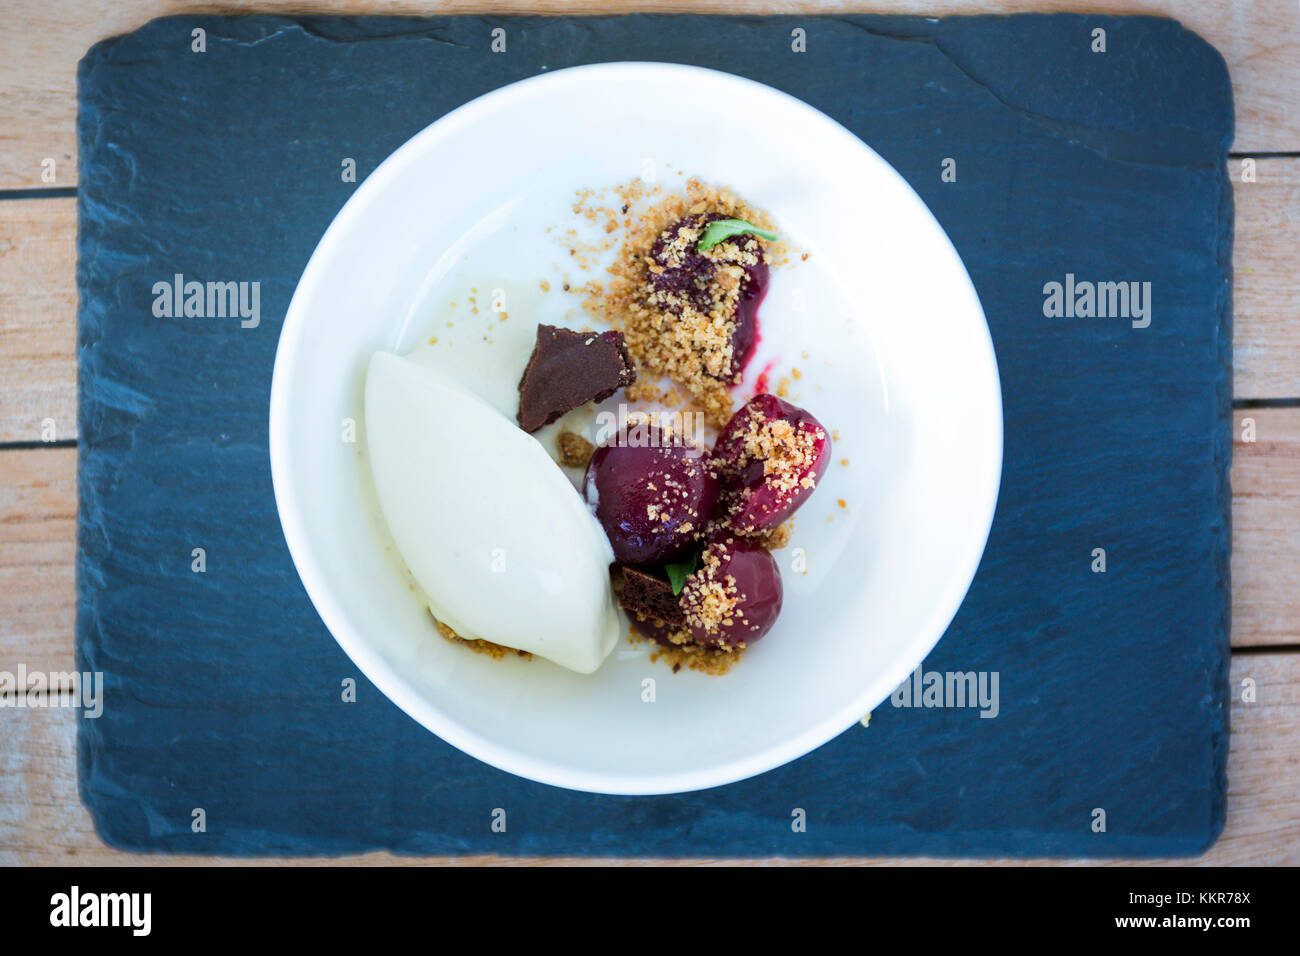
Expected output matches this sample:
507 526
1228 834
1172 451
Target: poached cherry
768 458
734 597
653 494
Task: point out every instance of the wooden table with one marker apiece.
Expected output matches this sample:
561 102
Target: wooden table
41 817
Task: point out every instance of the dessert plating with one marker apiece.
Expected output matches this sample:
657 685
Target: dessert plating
685 531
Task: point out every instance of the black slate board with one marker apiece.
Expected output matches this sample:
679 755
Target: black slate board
223 687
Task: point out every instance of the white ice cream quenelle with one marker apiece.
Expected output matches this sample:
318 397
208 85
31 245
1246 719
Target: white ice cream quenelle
500 541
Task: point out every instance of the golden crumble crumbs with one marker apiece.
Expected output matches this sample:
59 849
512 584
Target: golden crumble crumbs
575 451
788 453
683 335
707 660
778 537
710 599
479 646
644 390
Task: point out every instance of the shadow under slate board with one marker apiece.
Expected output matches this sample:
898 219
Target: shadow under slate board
222 689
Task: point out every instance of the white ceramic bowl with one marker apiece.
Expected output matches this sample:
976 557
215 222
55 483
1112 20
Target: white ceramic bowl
881 319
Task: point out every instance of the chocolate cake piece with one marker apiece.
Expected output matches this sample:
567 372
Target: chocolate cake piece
568 369
651 596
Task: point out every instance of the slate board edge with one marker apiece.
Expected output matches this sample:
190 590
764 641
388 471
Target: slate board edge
1223 437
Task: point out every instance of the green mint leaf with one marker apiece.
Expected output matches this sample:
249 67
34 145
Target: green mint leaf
720 229
679 571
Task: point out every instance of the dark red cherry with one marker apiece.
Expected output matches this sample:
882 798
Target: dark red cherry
769 459
734 596
653 494
753 289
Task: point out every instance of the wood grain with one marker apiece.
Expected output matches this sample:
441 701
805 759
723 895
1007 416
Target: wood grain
1266 529
1260 40
38 544
1266 280
38 318
42 820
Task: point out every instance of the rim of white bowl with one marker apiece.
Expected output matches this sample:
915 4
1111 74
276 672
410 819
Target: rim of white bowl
427 713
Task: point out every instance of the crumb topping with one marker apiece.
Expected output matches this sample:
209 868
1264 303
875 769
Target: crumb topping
778 537
575 451
787 453
676 305
711 599
479 646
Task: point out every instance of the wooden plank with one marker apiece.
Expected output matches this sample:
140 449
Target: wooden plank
42 820
1266 280
1266 528
38 300
38 544
38 319
1259 39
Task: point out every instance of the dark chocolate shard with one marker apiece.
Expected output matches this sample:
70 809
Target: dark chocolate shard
649 595
568 369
